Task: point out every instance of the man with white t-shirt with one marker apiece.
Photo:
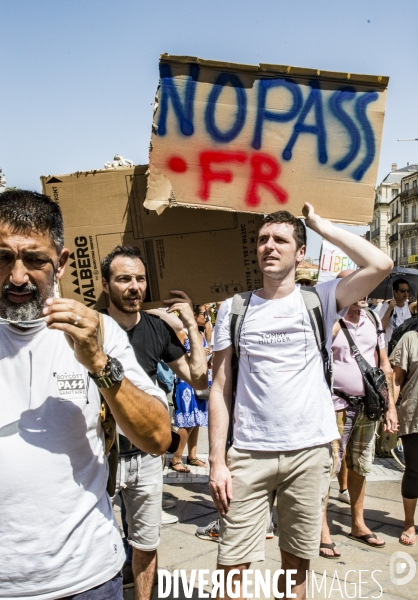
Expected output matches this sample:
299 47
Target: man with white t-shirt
396 311
59 538
283 421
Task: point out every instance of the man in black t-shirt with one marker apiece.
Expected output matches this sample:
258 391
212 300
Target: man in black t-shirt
140 474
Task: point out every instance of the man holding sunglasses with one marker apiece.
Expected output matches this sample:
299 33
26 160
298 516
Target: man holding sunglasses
59 536
396 311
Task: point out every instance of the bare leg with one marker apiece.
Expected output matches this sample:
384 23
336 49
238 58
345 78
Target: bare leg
326 535
343 475
290 561
144 567
184 436
357 488
409 506
192 447
236 577
192 441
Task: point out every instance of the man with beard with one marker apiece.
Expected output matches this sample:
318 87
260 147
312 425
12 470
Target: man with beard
140 473
59 536
358 433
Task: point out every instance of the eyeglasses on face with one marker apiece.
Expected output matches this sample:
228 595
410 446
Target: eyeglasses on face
403 290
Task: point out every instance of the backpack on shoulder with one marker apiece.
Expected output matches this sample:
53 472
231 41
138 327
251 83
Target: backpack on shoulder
410 324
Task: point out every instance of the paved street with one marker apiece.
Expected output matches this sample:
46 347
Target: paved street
181 549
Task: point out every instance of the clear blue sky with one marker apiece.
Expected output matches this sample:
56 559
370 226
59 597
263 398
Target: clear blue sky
79 76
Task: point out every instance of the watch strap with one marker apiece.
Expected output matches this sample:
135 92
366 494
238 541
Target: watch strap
104 381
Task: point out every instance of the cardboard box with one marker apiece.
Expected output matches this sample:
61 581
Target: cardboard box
209 254
266 137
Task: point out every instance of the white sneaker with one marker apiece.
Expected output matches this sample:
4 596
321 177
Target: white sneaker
344 497
167 519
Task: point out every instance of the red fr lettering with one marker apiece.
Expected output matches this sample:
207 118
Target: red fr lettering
264 170
208 176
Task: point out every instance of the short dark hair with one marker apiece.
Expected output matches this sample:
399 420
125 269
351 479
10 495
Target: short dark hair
284 216
399 282
127 251
26 211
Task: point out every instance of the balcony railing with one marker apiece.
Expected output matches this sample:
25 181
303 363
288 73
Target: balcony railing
375 233
393 238
409 228
407 194
403 260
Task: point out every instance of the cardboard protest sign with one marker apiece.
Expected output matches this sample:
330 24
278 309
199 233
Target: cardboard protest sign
332 261
211 255
264 138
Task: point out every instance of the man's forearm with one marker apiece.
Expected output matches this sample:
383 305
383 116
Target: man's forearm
389 382
197 360
385 318
143 418
219 419
358 249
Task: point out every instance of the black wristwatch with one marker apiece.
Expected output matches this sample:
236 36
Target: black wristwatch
111 374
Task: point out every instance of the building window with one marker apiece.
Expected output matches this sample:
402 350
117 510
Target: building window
406 187
414 183
394 193
414 212
413 245
405 214
404 247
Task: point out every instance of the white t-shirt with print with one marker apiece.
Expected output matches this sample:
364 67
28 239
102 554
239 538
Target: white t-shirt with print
57 530
283 401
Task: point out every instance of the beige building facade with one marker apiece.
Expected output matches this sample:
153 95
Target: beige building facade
384 229
408 231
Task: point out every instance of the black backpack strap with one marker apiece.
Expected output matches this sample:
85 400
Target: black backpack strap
239 307
375 322
314 308
361 361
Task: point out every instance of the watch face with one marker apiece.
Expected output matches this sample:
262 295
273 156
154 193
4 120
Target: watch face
116 370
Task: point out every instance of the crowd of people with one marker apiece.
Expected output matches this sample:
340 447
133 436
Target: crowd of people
279 380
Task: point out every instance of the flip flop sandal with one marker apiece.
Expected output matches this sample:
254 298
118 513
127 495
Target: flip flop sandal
364 539
172 464
409 536
328 547
194 461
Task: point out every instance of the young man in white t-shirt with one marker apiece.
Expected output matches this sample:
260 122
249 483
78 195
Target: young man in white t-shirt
394 312
284 419
58 535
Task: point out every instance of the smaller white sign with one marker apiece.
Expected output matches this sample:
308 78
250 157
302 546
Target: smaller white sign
333 260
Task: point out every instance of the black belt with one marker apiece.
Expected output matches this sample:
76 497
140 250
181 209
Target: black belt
352 400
